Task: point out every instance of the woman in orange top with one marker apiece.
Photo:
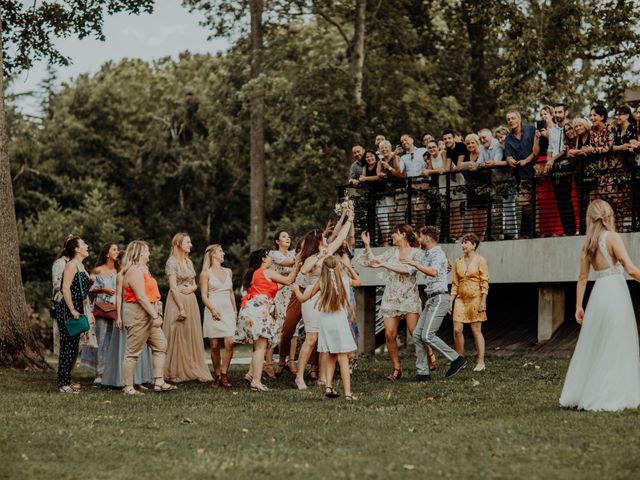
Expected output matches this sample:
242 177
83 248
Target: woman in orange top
256 322
469 289
142 317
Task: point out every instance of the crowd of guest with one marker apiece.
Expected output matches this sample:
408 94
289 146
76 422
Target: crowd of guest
457 180
127 338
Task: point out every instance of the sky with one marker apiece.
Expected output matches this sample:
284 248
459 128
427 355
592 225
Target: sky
169 30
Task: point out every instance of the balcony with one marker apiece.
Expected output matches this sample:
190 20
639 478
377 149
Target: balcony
533 230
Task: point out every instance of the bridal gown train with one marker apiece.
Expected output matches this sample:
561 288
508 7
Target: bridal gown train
604 373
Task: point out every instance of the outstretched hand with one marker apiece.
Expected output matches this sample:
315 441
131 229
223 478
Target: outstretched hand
580 315
365 238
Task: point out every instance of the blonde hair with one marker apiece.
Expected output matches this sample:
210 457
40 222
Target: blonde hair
333 293
600 217
474 137
176 241
548 109
501 129
208 256
132 254
581 121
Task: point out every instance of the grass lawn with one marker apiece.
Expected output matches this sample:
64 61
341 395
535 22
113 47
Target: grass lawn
503 423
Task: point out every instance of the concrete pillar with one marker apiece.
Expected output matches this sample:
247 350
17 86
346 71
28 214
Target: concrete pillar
366 316
550 311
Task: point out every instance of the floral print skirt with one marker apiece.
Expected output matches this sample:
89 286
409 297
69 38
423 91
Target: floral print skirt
256 319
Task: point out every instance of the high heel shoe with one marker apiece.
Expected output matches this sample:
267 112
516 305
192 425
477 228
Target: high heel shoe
248 378
396 374
292 370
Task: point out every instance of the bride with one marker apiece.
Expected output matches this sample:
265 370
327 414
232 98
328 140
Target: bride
604 373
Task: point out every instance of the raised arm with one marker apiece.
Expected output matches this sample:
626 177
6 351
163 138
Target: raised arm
308 293
281 279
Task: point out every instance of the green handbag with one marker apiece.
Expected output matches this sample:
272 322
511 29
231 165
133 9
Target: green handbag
81 325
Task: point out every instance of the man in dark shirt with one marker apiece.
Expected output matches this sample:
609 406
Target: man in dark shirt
519 152
356 167
455 151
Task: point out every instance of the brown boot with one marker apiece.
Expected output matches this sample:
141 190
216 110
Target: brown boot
216 382
224 380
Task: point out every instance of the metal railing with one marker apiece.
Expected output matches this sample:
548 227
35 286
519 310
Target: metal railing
495 205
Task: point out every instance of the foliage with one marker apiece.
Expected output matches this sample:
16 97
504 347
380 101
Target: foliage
506 421
29 32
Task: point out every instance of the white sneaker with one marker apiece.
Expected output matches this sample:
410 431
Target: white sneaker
479 368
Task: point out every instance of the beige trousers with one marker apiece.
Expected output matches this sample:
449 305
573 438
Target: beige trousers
140 331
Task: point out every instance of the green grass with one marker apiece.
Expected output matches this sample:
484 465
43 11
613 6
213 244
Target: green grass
508 425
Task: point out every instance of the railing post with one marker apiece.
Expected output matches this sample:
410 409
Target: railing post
409 215
534 207
446 226
489 196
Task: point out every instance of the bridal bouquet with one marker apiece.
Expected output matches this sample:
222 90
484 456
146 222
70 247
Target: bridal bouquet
345 205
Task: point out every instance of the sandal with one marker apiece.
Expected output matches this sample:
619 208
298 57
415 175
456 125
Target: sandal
216 382
396 374
67 389
268 369
224 381
133 392
313 375
75 386
164 387
350 398
258 387
291 368
300 383
248 378
433 363
330 392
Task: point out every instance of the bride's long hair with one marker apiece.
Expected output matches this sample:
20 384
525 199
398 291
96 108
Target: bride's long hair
600 217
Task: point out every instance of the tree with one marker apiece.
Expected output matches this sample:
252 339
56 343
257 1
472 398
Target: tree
31 32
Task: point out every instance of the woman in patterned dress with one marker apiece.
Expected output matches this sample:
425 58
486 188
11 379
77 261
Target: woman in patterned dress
75 288
182 325
401 297
469 289
256 323
282 261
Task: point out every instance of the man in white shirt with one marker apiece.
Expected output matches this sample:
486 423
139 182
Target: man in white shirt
492 155
412 164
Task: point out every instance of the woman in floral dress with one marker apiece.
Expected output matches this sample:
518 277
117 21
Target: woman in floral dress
256 322
282 261
401 297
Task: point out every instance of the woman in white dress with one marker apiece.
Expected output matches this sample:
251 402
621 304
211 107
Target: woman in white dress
313 253
335 339
220 312
604 373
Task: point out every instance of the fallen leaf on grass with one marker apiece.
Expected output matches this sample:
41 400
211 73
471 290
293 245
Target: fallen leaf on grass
389 395
474 382
537 367
408 467
244 430
24 457
159 444
430 398
200 451
412 429
186 420
107 401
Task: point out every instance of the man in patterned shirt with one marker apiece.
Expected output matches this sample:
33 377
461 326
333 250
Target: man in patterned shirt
434 265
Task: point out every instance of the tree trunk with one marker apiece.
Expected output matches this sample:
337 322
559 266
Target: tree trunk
356 63
17 345
257 97
481 102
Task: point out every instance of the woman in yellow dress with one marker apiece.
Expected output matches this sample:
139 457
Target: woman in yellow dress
469 289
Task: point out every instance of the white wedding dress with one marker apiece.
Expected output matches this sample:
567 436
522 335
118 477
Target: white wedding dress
604 373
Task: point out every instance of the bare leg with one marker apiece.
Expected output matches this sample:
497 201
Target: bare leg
257 360
476 330
305 352
331 369
391 335
322 367
228 354
214 343
343 361
458 337
292 353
